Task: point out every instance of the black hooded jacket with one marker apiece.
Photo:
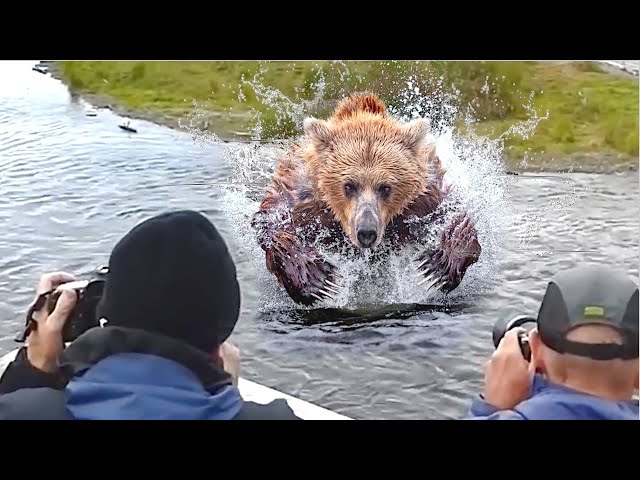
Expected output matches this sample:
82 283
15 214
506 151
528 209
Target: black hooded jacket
117 373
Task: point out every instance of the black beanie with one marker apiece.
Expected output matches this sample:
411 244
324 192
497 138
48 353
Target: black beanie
173 275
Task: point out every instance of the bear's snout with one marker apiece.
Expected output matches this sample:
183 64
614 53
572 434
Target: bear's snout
367 237
367 226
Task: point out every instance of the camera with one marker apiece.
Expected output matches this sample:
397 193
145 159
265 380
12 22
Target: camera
82 317
503 326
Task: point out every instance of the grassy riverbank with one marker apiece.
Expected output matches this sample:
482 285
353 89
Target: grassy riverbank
592 112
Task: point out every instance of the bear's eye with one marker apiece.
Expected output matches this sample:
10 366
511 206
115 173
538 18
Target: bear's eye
384 190
349 188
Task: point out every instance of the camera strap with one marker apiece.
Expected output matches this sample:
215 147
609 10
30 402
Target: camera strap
31 323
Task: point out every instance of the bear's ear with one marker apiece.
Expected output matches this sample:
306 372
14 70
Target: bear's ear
318 131
415 133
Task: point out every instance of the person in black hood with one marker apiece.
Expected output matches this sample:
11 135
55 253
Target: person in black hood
171 301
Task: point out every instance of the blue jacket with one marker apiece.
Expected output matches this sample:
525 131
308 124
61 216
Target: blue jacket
133 386
550 401
123 374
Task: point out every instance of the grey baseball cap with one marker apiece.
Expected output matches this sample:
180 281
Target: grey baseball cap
590 295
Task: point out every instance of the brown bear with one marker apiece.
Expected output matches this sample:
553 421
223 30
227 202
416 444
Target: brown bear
360 177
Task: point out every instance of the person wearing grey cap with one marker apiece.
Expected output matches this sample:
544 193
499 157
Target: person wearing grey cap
584 354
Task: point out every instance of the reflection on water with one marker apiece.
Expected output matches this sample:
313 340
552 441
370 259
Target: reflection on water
72 185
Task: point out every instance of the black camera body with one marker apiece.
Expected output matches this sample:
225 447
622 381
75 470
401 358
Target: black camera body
503 326
83 316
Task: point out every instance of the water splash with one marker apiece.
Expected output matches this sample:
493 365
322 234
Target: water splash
474 164
558 207
198 126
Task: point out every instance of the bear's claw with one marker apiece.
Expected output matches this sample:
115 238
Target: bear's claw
332 287
435 279
325 289
301 270
444 268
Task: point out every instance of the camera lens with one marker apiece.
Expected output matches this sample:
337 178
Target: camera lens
501 327
102 270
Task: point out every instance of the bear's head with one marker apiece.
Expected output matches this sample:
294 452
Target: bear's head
366 166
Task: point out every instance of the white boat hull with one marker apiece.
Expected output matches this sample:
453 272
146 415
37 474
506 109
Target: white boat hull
250 391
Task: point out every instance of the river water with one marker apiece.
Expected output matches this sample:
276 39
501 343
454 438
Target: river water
72 185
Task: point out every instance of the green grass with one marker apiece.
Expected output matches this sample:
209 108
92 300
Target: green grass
590 111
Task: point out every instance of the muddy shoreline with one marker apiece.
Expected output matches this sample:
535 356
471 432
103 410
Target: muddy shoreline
587 162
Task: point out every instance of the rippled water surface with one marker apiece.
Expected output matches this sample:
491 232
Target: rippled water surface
72 185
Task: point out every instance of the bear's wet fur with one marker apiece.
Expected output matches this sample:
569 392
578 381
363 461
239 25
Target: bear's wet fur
359 177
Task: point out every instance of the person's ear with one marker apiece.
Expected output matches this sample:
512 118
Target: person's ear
537 355
215 355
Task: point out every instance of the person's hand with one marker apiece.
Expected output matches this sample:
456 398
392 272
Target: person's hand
44 344
508 376
230 355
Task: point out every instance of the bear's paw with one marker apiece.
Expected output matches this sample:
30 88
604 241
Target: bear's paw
305 275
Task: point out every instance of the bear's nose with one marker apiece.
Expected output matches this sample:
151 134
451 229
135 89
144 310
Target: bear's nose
367 237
